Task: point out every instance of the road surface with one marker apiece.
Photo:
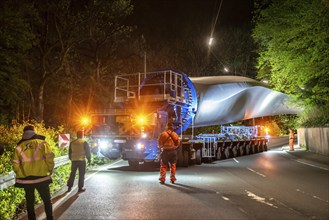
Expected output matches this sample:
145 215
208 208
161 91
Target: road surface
271 185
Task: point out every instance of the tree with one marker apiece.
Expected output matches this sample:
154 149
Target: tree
74 53
293 38
15 39
55 29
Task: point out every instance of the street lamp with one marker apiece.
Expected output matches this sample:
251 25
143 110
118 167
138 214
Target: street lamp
211 39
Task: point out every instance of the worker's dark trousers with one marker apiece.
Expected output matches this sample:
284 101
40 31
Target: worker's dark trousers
81 165
168 158
43 189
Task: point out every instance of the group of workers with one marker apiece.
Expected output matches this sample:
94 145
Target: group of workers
33 164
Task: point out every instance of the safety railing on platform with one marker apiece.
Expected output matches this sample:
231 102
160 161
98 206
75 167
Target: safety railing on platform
9 179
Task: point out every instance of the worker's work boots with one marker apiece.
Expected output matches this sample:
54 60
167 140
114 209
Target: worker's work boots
173 179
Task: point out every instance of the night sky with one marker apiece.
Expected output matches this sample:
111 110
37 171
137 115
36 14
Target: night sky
158 17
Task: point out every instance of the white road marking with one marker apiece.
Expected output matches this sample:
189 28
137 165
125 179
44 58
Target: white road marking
59 202
260 199
236 160
312 165
225 198
262 175
315 197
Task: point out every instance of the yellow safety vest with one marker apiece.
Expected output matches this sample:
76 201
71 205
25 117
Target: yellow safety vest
77 150
33 158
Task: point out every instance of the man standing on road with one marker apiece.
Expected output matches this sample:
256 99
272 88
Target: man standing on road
78 152
33 163
168 142
291 140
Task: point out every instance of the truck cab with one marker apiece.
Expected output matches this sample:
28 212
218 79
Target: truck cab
110 130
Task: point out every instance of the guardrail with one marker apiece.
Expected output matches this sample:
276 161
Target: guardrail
9 179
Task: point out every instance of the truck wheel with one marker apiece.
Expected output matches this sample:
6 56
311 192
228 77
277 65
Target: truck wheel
198 157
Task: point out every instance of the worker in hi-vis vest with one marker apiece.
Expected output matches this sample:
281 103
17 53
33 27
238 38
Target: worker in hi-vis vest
291 140
33 163
79 151
168 142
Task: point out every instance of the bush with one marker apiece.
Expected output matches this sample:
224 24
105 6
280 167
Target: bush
316 116
12 199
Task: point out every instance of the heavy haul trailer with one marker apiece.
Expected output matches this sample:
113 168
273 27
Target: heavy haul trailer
170 95
209 147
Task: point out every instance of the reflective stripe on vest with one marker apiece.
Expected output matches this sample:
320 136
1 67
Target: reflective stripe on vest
32 158
25 158
33 181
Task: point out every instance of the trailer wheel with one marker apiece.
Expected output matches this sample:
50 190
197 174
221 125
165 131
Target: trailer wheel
185 158
228 152
247 147
255 147
252 148
261 146
242 149
219 154
180 158
235 151
198 157
265 146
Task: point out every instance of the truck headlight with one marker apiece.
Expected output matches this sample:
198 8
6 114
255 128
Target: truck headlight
140 146
105 144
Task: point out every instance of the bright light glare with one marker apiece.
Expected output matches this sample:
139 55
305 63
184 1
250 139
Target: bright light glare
85 121
141 120
144 135
226 69
103 144
140 146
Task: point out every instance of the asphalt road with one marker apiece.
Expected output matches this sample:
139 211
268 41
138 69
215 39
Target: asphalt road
271 185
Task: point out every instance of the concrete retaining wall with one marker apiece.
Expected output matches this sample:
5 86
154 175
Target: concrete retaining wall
314 139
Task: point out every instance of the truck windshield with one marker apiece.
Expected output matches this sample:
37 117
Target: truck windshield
110 124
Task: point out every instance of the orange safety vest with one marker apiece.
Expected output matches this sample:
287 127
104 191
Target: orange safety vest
168 140
33 158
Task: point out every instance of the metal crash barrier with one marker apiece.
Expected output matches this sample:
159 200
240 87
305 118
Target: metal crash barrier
9 179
